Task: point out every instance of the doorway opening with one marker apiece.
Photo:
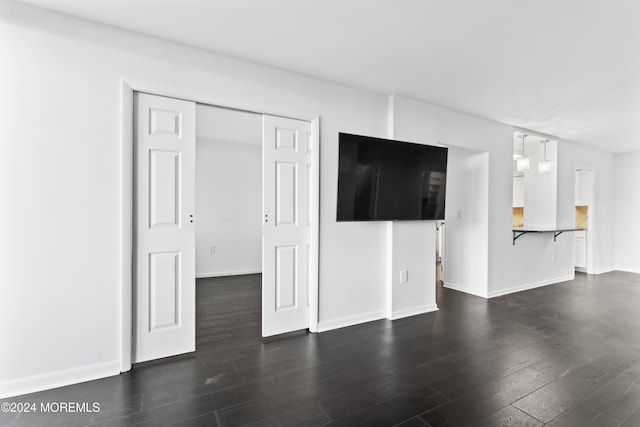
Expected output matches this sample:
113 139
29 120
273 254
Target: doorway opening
163 213
440 241
228 229
584 213
466 239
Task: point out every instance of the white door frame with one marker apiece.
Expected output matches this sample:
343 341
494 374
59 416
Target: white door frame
590 269
126 211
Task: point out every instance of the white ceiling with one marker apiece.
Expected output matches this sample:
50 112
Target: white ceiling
568 68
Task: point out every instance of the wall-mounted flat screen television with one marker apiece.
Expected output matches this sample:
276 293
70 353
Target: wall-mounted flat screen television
385 180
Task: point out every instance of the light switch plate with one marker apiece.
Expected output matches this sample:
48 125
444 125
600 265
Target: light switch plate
404 276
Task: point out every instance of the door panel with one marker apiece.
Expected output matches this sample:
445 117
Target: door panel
285 277
164 237
165 186
285 225
165 122
164 290
286 177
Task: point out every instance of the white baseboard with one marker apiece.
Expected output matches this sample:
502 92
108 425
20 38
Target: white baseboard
625 269
343 322
413 311
581 269
609 270
228 273
527 286
49 380
455 287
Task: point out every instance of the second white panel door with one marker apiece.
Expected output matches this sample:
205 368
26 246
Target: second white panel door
286 225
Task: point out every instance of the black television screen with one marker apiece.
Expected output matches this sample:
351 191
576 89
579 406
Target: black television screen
385 180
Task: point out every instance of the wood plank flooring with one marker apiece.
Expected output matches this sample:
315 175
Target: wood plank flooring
563 355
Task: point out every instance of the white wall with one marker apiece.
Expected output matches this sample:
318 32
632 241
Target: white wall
228 192
534 260
627 210
412 248
61 185
61 172
572 156
467 221
228 208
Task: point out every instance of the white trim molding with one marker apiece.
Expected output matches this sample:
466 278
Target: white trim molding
313 275
624 269
126 225
127 89
388 305
49 380
413 311
610 269
527 286
356 319
458 288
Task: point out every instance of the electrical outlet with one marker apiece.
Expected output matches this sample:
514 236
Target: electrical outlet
212 249
553 257
404 276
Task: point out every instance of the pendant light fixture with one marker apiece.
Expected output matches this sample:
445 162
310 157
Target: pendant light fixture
544 166
522 163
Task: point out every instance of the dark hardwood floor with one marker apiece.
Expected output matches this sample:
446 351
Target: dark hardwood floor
563 355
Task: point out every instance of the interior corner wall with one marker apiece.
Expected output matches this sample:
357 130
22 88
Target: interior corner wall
467 222
62 172
627 208
411 247
228 208
535 260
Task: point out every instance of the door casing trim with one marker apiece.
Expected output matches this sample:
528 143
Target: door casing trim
127 88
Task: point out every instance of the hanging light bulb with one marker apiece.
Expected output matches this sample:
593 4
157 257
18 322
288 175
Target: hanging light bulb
544 166
522 163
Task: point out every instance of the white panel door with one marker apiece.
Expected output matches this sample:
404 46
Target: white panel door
286 225
164 237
